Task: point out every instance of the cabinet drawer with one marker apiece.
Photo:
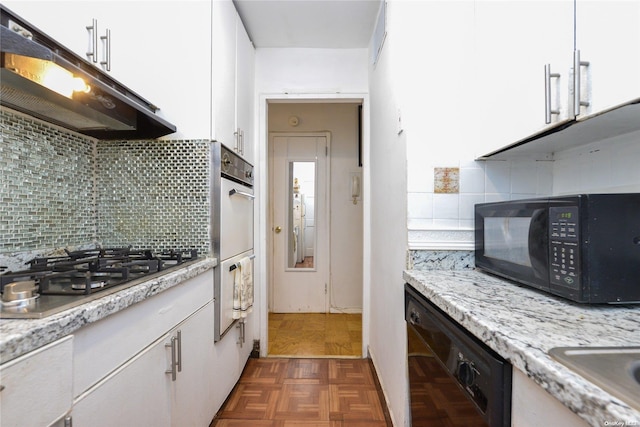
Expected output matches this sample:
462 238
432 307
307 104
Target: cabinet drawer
102 347
36 388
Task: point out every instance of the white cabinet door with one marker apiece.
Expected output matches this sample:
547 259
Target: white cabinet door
224 71
233 80
191 393
513 43
36 388
162 51
143 392
608 37
63 21
245 55
137 394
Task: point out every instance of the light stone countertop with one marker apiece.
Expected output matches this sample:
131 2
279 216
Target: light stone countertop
20 336
522 324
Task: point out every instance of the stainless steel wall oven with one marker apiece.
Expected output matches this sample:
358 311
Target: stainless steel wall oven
231 228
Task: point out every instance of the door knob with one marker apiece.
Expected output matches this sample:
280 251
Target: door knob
278 229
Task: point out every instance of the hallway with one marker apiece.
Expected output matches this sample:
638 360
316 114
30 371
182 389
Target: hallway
315 335
279 392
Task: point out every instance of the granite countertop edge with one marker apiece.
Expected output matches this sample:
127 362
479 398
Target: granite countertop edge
506 332
20 336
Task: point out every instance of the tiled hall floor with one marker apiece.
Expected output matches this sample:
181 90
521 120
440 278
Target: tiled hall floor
315 335
280 392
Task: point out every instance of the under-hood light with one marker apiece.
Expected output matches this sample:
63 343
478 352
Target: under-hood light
46 73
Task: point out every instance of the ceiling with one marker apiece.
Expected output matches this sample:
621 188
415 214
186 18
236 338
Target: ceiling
334 24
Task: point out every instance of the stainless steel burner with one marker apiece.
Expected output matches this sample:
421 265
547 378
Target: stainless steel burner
54 284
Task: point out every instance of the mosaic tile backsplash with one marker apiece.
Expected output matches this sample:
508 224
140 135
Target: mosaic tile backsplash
60 189
154 194
47 186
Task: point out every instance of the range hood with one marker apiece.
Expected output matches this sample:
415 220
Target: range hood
43 79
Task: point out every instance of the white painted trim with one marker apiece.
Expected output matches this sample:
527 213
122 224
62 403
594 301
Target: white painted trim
384 393
441 246
345 310
441 239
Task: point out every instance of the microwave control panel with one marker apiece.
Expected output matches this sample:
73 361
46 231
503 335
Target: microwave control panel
564 244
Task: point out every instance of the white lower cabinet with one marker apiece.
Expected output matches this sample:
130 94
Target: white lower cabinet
532 406
120 363
134 395
191 392
166 384
36 388
231 355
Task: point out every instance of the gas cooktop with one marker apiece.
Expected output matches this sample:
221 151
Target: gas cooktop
53 284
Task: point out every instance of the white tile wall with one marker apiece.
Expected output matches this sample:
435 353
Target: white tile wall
611 165
479 182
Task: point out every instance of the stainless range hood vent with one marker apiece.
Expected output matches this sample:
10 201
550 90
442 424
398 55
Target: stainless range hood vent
78 97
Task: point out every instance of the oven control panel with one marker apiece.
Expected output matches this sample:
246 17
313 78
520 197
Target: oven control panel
234 167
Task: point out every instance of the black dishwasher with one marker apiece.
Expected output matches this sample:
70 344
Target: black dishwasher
454 378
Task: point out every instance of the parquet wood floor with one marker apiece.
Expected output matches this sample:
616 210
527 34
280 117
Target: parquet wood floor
315 335
279 392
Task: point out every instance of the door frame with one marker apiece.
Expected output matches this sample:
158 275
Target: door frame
326 253
261 273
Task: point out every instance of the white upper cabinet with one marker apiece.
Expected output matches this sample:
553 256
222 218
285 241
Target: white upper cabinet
527 54
233 76
245 72
514 42
63 21
160 50
608 38
224 71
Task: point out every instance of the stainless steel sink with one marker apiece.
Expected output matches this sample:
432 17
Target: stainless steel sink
614 369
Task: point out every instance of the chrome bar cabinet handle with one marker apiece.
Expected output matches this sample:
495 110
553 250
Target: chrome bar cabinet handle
236 136
577 80
241 338
548 111
179 362
106 40
241 140
172 371
92 49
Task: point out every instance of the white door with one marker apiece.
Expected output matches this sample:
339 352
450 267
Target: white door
298 173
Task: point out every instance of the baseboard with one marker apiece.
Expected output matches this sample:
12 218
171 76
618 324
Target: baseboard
345 310
381 389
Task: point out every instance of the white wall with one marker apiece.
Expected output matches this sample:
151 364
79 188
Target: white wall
311 71
346 218
608 166
388 230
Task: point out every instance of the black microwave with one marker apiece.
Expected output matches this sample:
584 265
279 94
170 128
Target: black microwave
585 248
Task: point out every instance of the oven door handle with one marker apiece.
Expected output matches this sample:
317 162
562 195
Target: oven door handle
241 193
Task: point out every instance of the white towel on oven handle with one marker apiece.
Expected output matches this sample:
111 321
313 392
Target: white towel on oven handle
243 289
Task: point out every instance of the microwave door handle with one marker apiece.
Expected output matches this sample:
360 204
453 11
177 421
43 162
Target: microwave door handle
539 243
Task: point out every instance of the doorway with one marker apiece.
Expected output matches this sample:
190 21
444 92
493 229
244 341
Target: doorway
314 251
